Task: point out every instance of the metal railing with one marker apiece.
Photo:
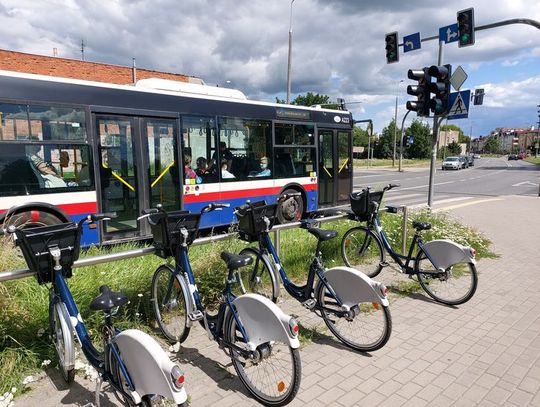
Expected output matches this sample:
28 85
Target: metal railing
129 254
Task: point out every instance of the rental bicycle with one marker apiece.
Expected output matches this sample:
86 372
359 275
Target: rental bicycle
353 306
133 363
445 270
261 340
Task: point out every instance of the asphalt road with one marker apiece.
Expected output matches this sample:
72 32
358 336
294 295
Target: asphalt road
488 179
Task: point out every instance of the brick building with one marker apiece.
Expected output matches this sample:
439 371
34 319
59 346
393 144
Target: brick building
85 70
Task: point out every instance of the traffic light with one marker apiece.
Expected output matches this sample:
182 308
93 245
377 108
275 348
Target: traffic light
421 91
465 20
392 51
438 104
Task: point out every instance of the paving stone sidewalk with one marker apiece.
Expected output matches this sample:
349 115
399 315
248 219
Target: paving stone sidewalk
485 352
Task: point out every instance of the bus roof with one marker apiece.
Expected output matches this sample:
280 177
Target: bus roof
172 88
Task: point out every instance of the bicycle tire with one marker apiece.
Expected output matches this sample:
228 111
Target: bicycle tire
362 250
372 324
282 393
170 307
59 333
461 278
260 276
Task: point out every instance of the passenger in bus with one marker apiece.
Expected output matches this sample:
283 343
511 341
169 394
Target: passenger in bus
188 171
47 174
225 155
202 167
264 170
225 174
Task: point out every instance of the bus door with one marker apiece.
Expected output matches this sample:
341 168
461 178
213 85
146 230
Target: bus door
335 166
137 170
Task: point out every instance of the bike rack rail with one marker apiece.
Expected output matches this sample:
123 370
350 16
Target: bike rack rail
144 251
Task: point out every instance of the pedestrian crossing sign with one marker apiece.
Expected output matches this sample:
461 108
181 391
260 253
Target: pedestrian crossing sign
458 105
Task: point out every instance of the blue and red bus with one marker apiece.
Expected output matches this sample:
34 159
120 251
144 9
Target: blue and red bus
71 147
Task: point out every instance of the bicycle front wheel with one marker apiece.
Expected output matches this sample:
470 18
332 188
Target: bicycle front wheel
62 337
363 251
366 328
169 304
273 376
453 286
259 277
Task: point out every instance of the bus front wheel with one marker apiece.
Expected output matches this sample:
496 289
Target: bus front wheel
292 209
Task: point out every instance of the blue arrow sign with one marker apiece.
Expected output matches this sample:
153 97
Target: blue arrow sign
448 33
411 42
458 105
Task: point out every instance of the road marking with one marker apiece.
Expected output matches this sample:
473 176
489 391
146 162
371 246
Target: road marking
393 198
427 185
447 208
525 183
442 201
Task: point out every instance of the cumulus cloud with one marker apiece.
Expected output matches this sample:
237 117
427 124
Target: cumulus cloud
338 45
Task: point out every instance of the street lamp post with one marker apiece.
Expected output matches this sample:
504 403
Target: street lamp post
289 59
395 126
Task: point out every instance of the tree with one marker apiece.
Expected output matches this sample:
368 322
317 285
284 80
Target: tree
453 149
360 137
311 99
384 147
421 145
492 145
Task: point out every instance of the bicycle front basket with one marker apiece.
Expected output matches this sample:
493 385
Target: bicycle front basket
362 203
35 244
251 222
166 230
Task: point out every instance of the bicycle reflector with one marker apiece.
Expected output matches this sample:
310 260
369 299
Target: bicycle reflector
293 327
384 290
473 252
177 376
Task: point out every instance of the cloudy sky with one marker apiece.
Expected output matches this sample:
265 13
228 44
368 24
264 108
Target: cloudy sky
338 47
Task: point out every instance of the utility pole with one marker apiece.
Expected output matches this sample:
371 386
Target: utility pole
82 50
289 59
395 126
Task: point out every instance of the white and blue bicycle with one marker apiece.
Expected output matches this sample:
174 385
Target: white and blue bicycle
133 363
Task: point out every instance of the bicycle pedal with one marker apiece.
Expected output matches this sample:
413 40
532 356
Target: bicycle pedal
195 316
309 304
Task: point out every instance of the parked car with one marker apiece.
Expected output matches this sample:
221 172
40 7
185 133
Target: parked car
512 157
452 163
470 157
522 156
464 161
477 156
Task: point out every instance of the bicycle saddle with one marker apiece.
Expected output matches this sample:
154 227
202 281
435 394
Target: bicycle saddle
421 225
235 261
323 234
107 299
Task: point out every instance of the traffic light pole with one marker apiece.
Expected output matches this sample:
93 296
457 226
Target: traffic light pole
434 139
401 141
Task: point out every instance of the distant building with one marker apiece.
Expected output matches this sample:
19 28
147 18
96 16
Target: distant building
448 136
85 70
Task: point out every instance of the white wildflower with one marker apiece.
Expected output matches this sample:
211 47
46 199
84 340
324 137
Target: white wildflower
28 380
139 295
46 362
40 332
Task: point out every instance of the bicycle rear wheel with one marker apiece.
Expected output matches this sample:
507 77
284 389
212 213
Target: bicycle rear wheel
273 378
456 285
367 328
259 277
62 337
169 304
362 250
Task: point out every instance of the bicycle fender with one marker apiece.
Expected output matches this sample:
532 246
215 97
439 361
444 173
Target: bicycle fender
353 286
148 365
444 253
264 321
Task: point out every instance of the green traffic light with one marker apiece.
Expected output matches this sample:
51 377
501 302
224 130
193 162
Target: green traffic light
465 38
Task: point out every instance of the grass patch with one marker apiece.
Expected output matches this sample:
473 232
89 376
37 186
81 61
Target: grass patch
24 342
533 160
383 162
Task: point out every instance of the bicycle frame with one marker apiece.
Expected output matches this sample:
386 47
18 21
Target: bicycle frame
403 261
184 266
96 358
300 293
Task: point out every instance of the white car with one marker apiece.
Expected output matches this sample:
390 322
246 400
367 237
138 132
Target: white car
451 163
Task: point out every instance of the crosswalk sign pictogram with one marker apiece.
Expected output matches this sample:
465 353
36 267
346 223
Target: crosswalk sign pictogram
458 104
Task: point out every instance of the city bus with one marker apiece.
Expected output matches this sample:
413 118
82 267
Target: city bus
71 147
